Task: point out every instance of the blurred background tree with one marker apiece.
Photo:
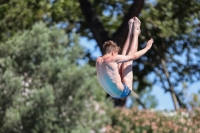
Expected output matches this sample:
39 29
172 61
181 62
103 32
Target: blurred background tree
48 81
173 59
174 56
42 88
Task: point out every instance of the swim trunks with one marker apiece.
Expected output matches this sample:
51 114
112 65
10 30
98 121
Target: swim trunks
126 92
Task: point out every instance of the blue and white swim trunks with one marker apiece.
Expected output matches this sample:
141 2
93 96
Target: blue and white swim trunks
126 92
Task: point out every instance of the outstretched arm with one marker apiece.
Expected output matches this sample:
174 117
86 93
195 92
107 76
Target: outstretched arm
125 58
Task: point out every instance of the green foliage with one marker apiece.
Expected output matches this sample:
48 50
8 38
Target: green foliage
21 14
66 13
174 26
146 121
194 100
44 89
167 19
146 97
111 12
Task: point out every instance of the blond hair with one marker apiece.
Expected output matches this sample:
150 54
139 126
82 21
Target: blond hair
110 46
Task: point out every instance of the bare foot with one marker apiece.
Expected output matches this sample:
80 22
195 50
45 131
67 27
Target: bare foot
130 24
136 24
149 44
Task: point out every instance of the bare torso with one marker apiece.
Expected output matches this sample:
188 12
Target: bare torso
109 77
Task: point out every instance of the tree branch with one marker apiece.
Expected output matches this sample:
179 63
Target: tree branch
174 98
166 73
137 97
121 34
96 27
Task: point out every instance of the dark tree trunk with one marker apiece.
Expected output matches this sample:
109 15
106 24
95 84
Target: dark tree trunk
96 27
121 33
